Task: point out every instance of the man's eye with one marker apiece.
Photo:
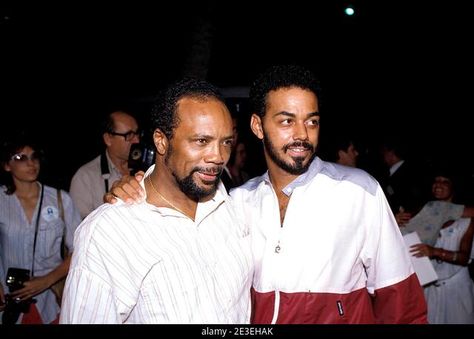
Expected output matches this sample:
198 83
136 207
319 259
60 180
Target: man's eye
201 141
286 122
314 122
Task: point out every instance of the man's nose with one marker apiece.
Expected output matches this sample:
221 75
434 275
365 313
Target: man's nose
135 139
217 154
300 132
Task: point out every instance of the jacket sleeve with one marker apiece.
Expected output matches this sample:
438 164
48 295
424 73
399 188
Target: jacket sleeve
397 295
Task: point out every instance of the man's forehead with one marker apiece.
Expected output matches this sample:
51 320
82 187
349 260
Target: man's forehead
204 119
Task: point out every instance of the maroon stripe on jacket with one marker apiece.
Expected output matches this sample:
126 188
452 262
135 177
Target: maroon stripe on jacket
403 303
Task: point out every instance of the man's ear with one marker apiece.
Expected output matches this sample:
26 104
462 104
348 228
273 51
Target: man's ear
107 139
161 141
256 126
340 154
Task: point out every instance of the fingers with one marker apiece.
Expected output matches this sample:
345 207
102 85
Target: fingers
110 198
31 288
420 250
128 192
134 192
127 189
22 294
417 254
402 218
139 175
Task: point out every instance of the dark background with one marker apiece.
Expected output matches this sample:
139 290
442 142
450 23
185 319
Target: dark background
396 66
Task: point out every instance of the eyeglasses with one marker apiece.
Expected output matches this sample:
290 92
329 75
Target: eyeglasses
22 157
128 136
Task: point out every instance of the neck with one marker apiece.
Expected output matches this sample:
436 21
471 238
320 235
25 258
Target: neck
279 177
163 193
26 189
121 164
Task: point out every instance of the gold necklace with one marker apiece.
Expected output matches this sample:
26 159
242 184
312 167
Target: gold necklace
162 197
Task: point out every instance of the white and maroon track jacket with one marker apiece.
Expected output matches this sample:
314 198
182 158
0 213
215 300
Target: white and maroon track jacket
339 256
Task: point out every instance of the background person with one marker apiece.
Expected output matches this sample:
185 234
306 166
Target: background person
93 180
32 230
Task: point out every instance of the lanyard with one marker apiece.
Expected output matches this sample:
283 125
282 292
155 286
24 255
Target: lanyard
36 229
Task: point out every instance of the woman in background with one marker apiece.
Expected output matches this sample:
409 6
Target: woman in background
451 298
31 233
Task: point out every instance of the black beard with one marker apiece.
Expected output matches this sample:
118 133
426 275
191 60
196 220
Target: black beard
298 167
189 187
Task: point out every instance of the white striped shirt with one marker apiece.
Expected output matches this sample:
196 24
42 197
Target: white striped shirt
17 236
145 264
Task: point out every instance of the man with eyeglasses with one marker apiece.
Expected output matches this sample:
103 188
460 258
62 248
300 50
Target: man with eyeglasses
92 180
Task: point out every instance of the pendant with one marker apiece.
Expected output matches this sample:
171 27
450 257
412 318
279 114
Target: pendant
277 248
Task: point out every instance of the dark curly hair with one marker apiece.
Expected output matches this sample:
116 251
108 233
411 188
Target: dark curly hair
281 76
163 114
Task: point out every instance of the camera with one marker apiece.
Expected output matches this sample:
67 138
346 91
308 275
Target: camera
16 277
141 157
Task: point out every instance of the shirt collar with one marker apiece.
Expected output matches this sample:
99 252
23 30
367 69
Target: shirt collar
396 166
301 180
112 167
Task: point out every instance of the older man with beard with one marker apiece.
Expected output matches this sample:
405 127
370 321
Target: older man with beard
180 256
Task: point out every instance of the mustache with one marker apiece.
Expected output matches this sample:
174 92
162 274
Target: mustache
216 170
303 144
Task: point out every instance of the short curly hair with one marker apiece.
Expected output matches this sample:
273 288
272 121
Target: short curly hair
280 76
163 114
